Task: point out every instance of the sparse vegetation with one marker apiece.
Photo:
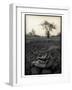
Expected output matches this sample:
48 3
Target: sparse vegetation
43 55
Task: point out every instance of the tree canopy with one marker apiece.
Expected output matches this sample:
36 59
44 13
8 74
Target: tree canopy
48 26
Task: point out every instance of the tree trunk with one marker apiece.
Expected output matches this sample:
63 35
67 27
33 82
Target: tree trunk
48 34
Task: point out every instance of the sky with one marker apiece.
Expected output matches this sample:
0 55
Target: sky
35 21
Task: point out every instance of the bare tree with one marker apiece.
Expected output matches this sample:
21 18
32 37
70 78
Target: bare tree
33 32
48 26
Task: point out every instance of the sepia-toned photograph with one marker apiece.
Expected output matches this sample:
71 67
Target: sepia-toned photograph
43 37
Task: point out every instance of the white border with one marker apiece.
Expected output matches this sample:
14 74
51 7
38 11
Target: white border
17 47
